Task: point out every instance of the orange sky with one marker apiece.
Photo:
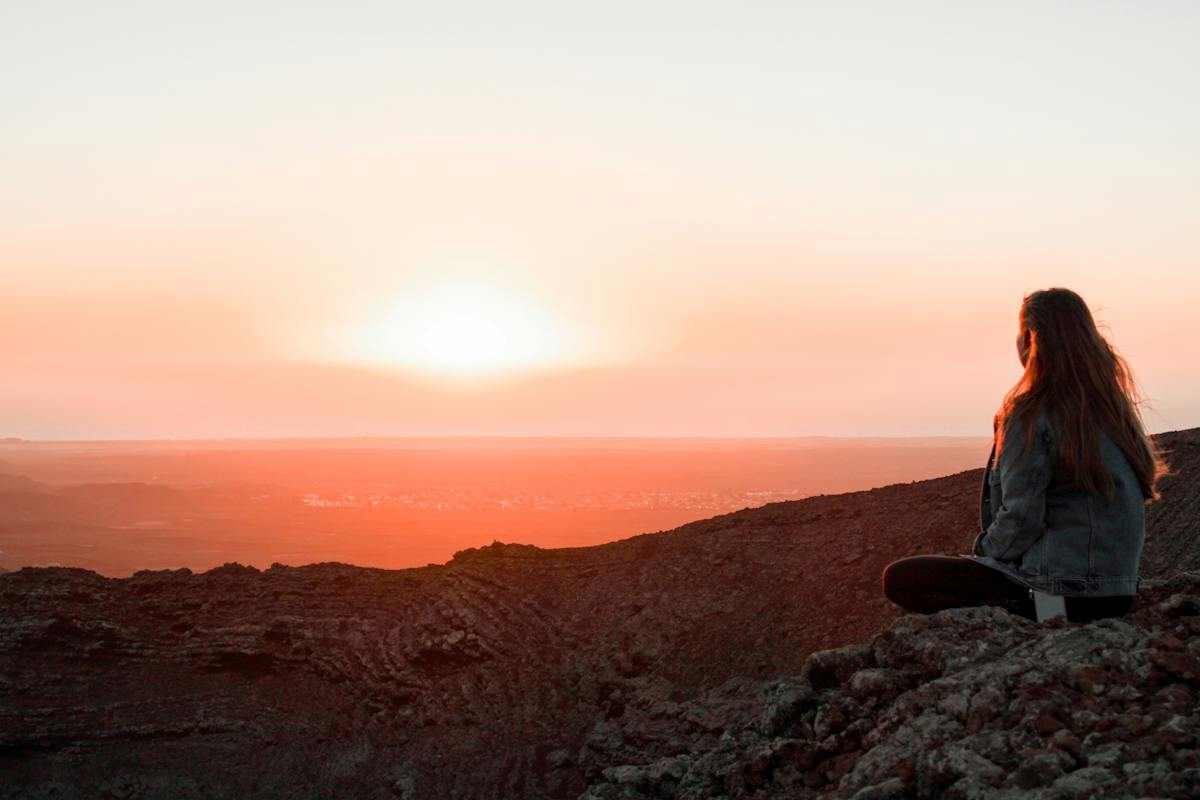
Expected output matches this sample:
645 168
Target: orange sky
271 221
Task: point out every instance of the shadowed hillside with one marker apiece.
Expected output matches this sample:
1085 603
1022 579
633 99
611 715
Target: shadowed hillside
669 664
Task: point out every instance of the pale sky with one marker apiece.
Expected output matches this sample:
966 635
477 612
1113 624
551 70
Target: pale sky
652 218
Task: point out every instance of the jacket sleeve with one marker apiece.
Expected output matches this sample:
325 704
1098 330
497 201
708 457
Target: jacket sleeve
1024 474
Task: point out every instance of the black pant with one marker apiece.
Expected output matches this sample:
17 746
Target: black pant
926 584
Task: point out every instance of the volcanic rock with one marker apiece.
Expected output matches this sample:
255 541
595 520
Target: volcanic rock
750 654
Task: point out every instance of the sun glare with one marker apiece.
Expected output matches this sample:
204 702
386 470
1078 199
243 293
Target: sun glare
465 329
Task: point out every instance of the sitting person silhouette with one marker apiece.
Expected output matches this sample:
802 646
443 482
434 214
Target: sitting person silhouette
1062 502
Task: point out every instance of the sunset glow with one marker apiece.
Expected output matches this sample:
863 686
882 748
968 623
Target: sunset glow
552 219
463 329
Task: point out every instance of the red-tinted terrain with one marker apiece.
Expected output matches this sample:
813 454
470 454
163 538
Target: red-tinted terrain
677 664
123 506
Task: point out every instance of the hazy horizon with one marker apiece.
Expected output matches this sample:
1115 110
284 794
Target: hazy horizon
434 437
118 507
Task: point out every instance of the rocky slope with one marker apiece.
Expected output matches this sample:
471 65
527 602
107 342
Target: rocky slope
965 703
670 664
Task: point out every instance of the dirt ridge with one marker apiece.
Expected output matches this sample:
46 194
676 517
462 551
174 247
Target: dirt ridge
668 664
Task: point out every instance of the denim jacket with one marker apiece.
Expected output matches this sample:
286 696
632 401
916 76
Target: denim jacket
1051 536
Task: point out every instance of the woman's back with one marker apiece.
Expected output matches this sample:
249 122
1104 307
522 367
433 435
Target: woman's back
1090 544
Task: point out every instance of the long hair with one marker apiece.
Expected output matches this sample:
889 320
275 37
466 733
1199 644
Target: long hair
1084 386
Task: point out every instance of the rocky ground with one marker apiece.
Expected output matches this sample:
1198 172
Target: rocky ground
678 664
965 703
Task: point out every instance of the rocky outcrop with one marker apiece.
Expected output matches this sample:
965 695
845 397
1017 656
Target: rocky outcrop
964 703
748 654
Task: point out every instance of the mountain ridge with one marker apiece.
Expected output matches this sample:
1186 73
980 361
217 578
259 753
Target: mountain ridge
509 671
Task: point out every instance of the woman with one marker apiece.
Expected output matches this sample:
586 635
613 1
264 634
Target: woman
1062 504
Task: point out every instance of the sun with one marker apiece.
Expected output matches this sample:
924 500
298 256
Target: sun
465 329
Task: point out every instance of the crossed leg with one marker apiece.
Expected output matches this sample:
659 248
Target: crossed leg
925 584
